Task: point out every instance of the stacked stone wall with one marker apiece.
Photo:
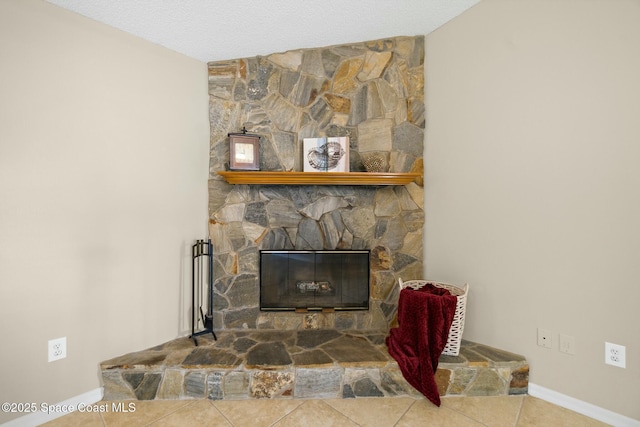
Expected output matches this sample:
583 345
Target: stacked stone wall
372 92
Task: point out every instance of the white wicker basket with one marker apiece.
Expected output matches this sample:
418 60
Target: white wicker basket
457 326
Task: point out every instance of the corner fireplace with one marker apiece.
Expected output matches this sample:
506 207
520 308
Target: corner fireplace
314 280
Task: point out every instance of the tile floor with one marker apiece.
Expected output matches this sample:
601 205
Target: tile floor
502 411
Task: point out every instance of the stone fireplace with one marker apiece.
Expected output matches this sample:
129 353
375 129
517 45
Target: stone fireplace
372 92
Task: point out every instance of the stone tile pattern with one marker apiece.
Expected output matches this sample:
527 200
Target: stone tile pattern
321 364
372 92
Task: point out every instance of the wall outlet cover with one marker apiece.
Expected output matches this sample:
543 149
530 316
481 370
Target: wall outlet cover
567 344
57 349
544 338
615 355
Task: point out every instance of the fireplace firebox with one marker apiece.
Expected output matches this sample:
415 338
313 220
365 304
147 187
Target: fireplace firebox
314 280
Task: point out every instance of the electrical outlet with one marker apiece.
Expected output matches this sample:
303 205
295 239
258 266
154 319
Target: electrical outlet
544 338
57 349
567 344
615 354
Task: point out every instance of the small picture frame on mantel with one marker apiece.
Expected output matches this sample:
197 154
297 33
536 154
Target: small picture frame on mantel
244 151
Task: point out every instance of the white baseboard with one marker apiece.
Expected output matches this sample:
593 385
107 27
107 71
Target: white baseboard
57 410
581 407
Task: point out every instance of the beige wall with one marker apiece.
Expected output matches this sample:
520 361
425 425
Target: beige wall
533 184
103 187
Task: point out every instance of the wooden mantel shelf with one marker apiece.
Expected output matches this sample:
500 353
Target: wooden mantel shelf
318 178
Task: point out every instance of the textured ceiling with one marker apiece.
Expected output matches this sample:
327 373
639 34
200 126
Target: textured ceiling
214 30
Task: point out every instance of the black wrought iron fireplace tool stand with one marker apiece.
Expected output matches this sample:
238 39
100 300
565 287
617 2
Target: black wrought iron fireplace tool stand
201 272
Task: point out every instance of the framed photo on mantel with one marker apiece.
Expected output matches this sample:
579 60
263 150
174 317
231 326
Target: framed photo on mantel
244 151
330 154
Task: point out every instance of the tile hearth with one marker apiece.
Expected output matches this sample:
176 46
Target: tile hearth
305 364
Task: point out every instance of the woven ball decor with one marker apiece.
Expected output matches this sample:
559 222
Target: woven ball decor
374 163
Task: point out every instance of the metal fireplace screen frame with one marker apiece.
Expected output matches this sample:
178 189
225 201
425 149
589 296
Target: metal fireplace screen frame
314 280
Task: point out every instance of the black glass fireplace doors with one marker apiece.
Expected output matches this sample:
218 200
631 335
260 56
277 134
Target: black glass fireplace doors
314 280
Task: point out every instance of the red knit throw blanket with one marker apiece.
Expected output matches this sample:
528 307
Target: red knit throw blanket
424 319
